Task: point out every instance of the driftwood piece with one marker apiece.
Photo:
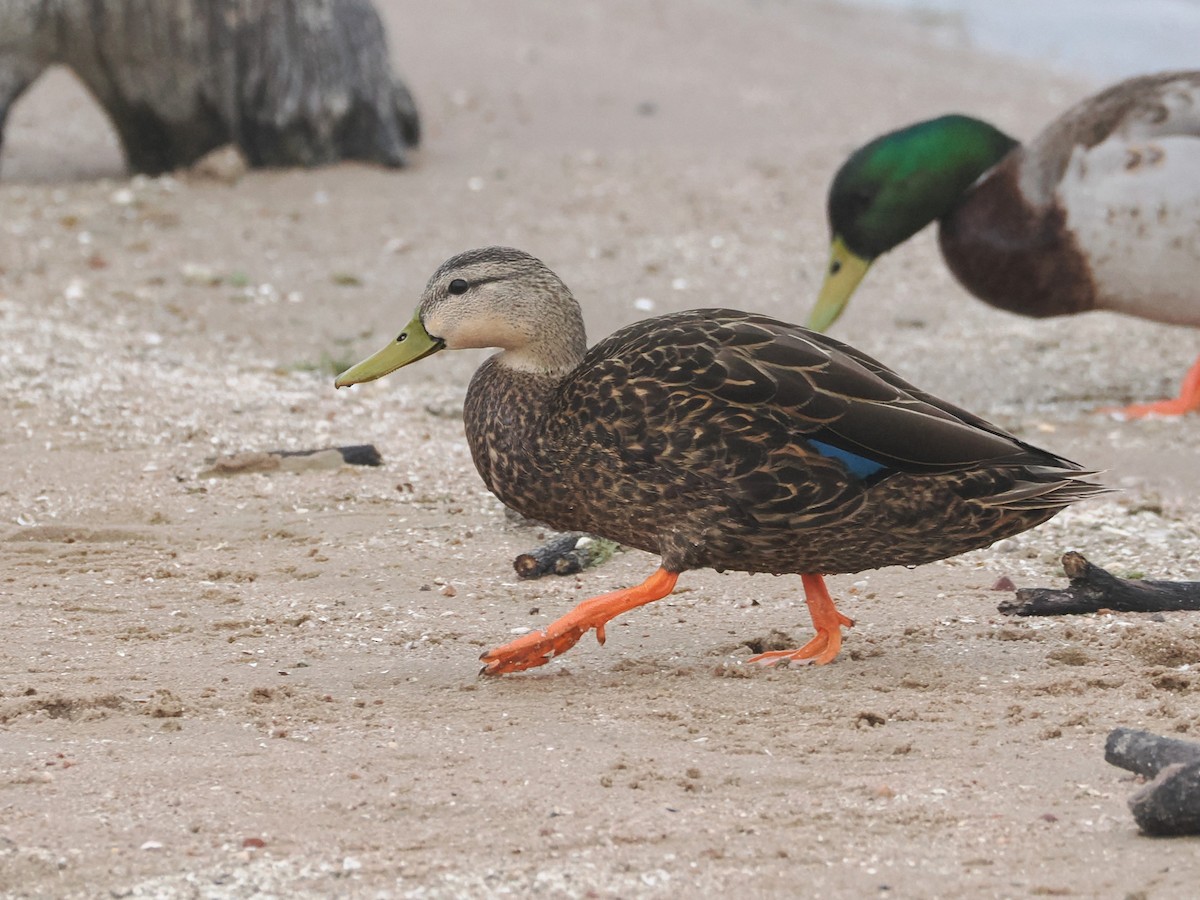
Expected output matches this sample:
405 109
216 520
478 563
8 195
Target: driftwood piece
289 82
1147 754
565 554
1093 589
1170 804
252 461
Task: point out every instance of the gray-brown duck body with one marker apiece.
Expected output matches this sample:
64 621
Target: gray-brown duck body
717 438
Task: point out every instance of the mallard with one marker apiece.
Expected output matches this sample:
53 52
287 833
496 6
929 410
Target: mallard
713 438
1100 211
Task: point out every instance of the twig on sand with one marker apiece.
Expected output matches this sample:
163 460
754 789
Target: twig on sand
292 460
1093 589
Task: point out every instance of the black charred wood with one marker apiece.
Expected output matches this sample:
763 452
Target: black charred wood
1146 753
1170 804
1092 589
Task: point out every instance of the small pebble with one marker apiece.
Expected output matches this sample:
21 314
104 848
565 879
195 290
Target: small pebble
200 274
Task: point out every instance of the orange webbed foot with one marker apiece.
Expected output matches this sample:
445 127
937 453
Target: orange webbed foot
1164 408
539 647
817 652
1188 401
534 649
826 619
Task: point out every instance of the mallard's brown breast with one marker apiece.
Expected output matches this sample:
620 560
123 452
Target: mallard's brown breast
1012 254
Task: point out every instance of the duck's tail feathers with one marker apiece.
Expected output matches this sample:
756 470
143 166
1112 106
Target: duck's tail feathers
1048 488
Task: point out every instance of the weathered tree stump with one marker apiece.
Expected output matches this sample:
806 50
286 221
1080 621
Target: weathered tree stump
289 82
1170 804
1093 589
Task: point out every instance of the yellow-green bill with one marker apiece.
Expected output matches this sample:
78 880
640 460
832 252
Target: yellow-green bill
414 343
846 270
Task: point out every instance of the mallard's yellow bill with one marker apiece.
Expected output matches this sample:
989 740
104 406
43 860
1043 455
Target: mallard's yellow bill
414 343
846 270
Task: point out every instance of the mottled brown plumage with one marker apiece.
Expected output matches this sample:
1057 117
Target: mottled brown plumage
689 435
724 439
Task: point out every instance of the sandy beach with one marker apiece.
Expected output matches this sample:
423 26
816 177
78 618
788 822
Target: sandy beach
265 684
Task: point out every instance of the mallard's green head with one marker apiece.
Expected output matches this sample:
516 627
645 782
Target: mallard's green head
495 297
891 188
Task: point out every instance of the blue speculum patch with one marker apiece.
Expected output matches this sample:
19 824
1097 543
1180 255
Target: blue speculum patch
858 465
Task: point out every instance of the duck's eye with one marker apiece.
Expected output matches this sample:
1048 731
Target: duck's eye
835 267
458 286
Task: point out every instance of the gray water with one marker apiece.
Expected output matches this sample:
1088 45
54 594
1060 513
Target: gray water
1103 40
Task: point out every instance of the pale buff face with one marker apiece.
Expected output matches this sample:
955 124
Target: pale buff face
465 328
506 299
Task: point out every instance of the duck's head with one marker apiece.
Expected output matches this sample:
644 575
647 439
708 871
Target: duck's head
891 188
494 297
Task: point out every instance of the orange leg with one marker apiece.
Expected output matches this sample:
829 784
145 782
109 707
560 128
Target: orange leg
826 619
1187 401
539 647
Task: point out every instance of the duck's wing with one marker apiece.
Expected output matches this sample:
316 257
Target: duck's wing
758 374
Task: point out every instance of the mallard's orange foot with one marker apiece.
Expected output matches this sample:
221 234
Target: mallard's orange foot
817 652
1178 407
532 650
1188 401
